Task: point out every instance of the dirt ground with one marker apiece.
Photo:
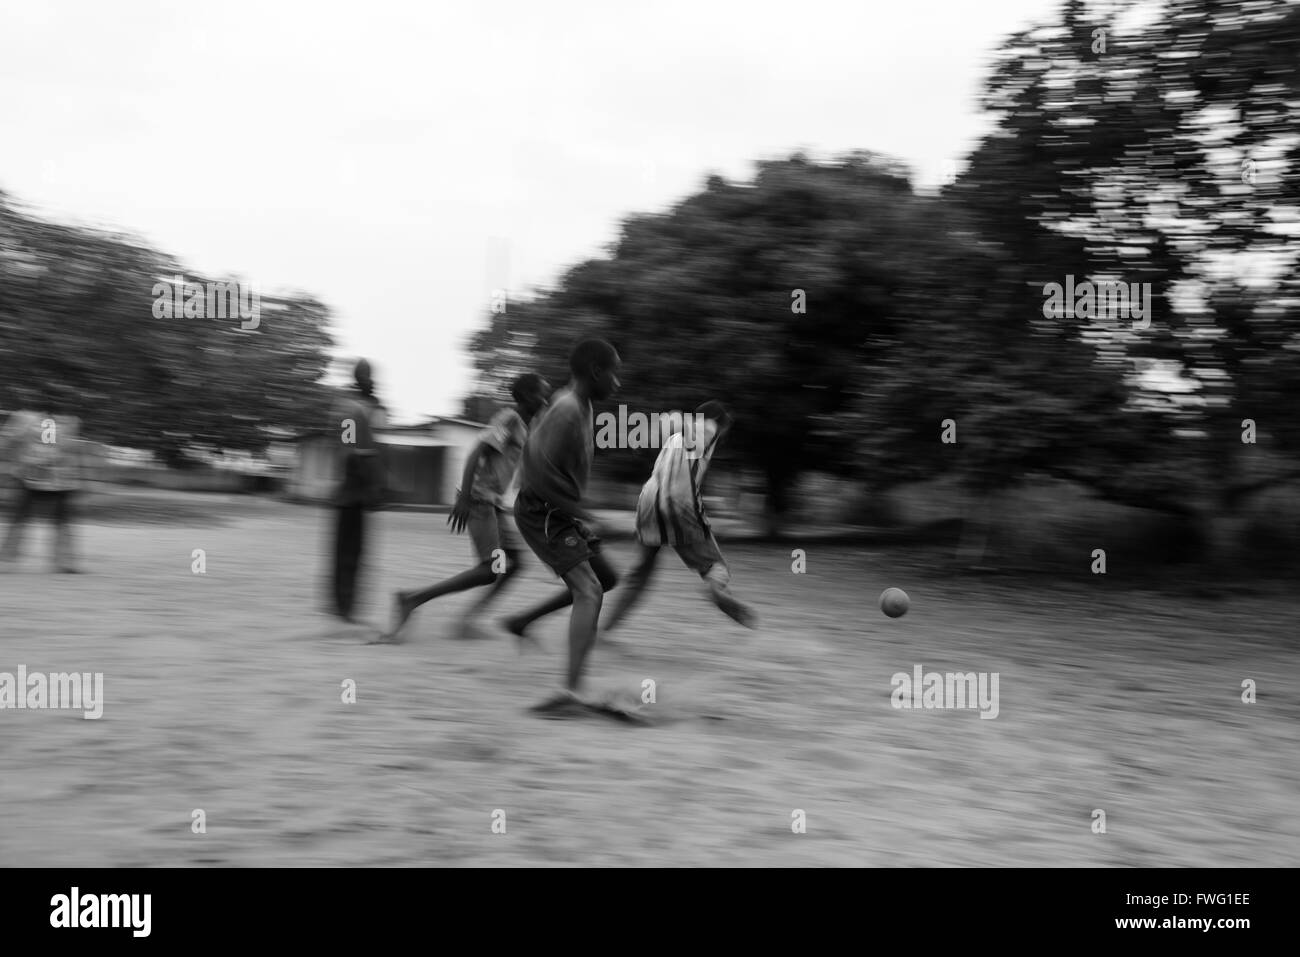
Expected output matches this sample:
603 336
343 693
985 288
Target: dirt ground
223 692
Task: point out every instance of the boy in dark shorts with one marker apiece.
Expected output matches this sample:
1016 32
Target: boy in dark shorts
553 475
670 511
482 506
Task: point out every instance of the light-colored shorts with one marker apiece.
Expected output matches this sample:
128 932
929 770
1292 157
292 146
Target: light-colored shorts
491 527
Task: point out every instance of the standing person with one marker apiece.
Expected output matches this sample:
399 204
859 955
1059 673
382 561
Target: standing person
486 493
357 416
48 467
553 474
670 511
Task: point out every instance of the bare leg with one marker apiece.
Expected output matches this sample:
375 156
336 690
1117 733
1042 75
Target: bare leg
64 559
405 603
503 579
706 559
348 542
605 574
22 511
516 624
717 581
476 577
588 595
635 587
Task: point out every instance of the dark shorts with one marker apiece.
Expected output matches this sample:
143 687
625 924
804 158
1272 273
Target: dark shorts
560 542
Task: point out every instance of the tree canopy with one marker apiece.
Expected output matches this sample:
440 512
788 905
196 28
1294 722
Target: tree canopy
78 330
849 318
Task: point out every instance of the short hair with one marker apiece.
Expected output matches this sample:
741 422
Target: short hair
362 376
588 353
716 411
530 383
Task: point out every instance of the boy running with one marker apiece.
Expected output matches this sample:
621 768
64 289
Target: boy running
553 474
485 494
670 511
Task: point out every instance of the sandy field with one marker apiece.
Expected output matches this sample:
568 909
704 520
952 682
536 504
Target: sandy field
223 692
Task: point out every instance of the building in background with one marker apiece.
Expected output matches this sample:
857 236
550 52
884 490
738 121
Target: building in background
424 461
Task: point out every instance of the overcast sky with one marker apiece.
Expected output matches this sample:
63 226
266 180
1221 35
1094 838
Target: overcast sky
369 153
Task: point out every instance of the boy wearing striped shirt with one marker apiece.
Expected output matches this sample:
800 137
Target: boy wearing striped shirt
670 511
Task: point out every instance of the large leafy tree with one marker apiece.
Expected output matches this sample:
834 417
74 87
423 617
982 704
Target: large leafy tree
1159 157
768 295
1166 155
78 330
908 318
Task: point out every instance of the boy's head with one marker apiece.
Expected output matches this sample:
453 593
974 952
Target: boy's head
710 421
530 392
715 412
595 364
361 373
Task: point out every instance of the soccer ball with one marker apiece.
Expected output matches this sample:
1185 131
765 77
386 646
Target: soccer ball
894 602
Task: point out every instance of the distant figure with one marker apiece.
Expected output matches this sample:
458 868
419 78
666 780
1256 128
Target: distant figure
670 511
486 492
553 474
46 459
356 419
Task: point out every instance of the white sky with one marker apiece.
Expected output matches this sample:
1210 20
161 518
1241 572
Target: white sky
369 153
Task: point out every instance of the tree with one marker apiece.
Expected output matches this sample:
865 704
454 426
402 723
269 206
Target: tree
767 295
77 329
1167 158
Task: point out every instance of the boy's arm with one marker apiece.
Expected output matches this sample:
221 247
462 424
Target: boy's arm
699 465
340 414
471 468
348 463
459 516
491 439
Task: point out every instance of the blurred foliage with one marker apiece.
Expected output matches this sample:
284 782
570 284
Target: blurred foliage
1169 156
78 334
699 302
1125 163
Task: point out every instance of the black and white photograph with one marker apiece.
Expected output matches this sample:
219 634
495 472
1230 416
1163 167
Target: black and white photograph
505 435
